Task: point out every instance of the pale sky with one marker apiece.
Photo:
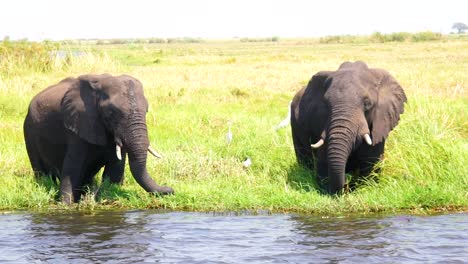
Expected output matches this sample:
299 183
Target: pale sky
62 19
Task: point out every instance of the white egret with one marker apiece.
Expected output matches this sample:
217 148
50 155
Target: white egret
229 134
247 162
285 121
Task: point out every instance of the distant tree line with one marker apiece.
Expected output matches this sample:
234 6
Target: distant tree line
378 37
147 40
272 39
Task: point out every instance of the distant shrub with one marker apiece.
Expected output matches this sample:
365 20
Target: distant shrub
102 42
126 41
398 37
343 39
139 41
426 36
184 40
272 39
156 40
330 40
377 37
119 41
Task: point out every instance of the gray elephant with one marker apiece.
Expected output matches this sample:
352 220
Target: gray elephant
76 127
346 114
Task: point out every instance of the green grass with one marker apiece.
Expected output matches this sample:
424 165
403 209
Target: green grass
195 89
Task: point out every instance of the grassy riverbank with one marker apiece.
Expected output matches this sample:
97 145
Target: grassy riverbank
196 89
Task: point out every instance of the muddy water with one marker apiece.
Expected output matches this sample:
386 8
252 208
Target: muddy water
151 236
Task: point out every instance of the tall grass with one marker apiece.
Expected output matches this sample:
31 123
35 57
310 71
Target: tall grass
196 89
18 57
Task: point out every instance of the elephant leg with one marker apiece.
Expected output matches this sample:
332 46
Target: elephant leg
37 165
114 170
322 168
303 151
370 158
353 168
72 171
87 179
367 157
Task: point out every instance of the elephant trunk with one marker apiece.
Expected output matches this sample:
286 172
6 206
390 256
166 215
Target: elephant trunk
341 137
137 144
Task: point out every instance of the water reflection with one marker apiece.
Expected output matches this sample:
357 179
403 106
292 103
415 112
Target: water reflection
102 236
397 239
149 236
342 239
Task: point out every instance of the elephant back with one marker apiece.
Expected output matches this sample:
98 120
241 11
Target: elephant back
44 112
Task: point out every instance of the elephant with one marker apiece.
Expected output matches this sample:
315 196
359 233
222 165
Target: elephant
340 122
80 125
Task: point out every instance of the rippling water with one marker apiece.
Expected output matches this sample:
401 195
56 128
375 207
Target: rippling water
151 236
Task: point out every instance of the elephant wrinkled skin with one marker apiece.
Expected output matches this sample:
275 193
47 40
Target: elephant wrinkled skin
341 119
76 127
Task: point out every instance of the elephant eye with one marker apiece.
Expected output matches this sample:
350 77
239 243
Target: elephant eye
367 104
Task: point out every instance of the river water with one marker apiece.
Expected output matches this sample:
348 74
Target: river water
176 237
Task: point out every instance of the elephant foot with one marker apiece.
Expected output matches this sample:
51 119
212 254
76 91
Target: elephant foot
163 190
67 199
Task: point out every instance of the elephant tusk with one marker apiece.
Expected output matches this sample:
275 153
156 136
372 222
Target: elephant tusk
154 153
318 144
368 139
118 152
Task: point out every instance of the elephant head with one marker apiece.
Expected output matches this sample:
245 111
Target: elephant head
107 110
363 105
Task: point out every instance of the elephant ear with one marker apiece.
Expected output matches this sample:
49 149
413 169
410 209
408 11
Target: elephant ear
309 100
390 105
320 83
79 109
313 92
